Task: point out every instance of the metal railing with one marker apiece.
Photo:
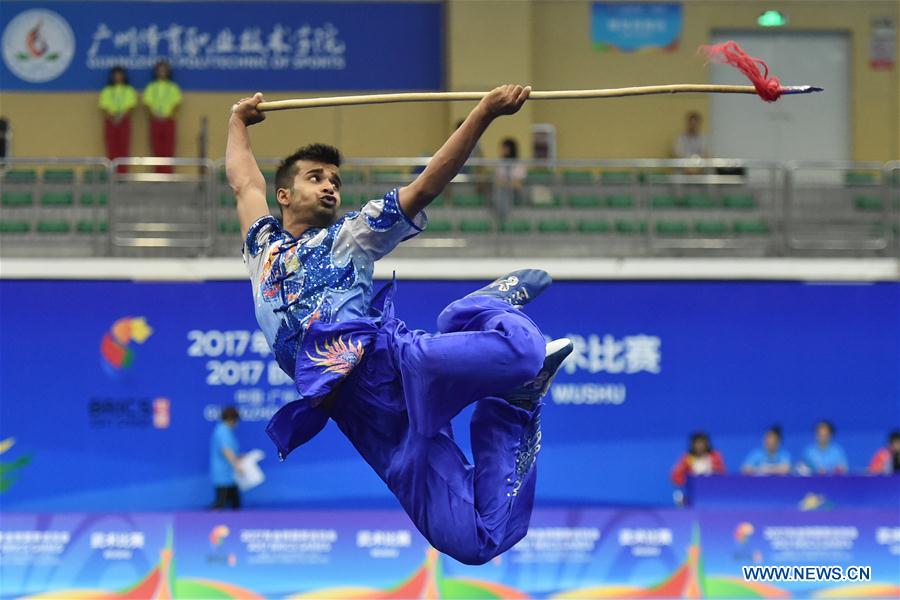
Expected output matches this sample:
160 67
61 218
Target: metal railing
577 208
153 208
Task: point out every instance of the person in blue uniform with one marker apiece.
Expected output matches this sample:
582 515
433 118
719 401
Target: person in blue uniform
224 461
391 390
825 456
770 458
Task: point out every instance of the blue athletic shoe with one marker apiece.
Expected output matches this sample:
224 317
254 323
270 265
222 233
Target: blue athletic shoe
530 393
517 288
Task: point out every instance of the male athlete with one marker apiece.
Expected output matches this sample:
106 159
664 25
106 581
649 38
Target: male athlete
393 391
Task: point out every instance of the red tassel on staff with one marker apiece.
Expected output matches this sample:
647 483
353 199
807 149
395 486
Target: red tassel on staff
768 88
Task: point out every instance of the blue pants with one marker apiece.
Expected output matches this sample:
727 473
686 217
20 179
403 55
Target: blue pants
396 406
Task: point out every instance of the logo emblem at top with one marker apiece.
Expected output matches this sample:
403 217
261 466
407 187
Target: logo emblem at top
38 45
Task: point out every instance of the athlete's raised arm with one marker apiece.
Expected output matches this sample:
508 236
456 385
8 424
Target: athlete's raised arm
244 175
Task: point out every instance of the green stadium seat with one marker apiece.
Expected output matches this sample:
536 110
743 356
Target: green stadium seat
540 177
475 226
17 199
91 199
672 228
93 176
20 176
438 202
516 226
554 226
630 227
389 176
268 175
227 199
861 178
578 177
620 201
352 176
710 228
739 202
57 199
617 178
469 201
439 226
666 202
593 227
702 202
585 201
54 227
59 176
881 229
868 203
270 200
18 227
551 202
654 178
229 227
88 227
751 228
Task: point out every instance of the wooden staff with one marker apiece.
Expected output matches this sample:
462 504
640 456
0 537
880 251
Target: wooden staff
550 95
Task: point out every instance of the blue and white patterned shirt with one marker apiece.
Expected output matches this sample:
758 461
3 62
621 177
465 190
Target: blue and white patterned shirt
325 274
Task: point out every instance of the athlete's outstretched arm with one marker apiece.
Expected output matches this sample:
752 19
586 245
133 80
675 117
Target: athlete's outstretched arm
447 162
244 175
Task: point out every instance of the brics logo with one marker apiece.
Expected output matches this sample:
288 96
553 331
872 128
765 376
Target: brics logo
218 555
105 412
218 535
116 347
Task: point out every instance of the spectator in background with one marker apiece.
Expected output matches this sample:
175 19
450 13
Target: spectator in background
886 461
117 100
691 143
771 458
162 98
224 461
508 179
700 459
825 456
5 130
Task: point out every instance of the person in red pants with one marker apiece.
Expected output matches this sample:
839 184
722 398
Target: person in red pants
117 100
162 98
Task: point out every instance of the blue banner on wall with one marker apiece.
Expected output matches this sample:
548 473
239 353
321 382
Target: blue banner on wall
110 390
631 26
579 553
267 46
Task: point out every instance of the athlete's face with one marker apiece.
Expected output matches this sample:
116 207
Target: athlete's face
771 442
315 196
823 435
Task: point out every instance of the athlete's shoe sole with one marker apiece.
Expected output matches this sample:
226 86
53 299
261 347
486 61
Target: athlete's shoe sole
517 288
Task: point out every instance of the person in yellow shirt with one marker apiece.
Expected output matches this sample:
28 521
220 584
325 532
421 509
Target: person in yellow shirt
117 100
162 98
